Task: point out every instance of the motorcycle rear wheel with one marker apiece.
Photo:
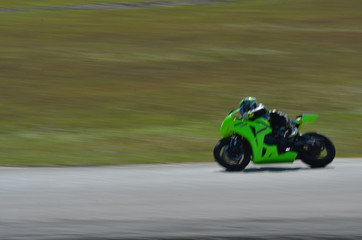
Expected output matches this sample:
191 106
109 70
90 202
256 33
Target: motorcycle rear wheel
318 152
232 158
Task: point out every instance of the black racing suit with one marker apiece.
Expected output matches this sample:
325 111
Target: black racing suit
278 120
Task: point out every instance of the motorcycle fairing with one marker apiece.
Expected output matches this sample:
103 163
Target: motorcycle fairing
254 132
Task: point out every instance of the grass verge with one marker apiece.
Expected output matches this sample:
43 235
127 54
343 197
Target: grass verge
153 85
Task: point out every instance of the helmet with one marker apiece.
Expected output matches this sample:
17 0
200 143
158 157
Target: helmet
247 104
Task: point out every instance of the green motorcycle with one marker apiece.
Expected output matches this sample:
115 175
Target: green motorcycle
244 140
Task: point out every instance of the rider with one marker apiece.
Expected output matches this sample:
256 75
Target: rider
279 122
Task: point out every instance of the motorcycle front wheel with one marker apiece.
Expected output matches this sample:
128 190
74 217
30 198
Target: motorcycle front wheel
318 150
233 157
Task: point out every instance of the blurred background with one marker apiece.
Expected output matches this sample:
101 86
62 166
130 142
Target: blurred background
153 84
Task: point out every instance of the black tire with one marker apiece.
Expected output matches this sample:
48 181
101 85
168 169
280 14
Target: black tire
321 154
235 163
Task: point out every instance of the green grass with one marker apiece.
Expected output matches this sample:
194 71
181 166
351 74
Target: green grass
153 85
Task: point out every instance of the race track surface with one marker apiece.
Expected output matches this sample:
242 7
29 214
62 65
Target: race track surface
182 201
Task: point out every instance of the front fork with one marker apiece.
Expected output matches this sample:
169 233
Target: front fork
235 144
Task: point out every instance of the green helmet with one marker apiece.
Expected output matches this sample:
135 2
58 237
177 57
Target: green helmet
247 104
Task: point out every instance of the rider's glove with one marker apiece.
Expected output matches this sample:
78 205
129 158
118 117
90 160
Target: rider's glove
248 115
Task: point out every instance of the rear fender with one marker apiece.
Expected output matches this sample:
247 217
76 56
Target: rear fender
304 119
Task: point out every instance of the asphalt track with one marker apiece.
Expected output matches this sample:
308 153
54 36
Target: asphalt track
182 201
